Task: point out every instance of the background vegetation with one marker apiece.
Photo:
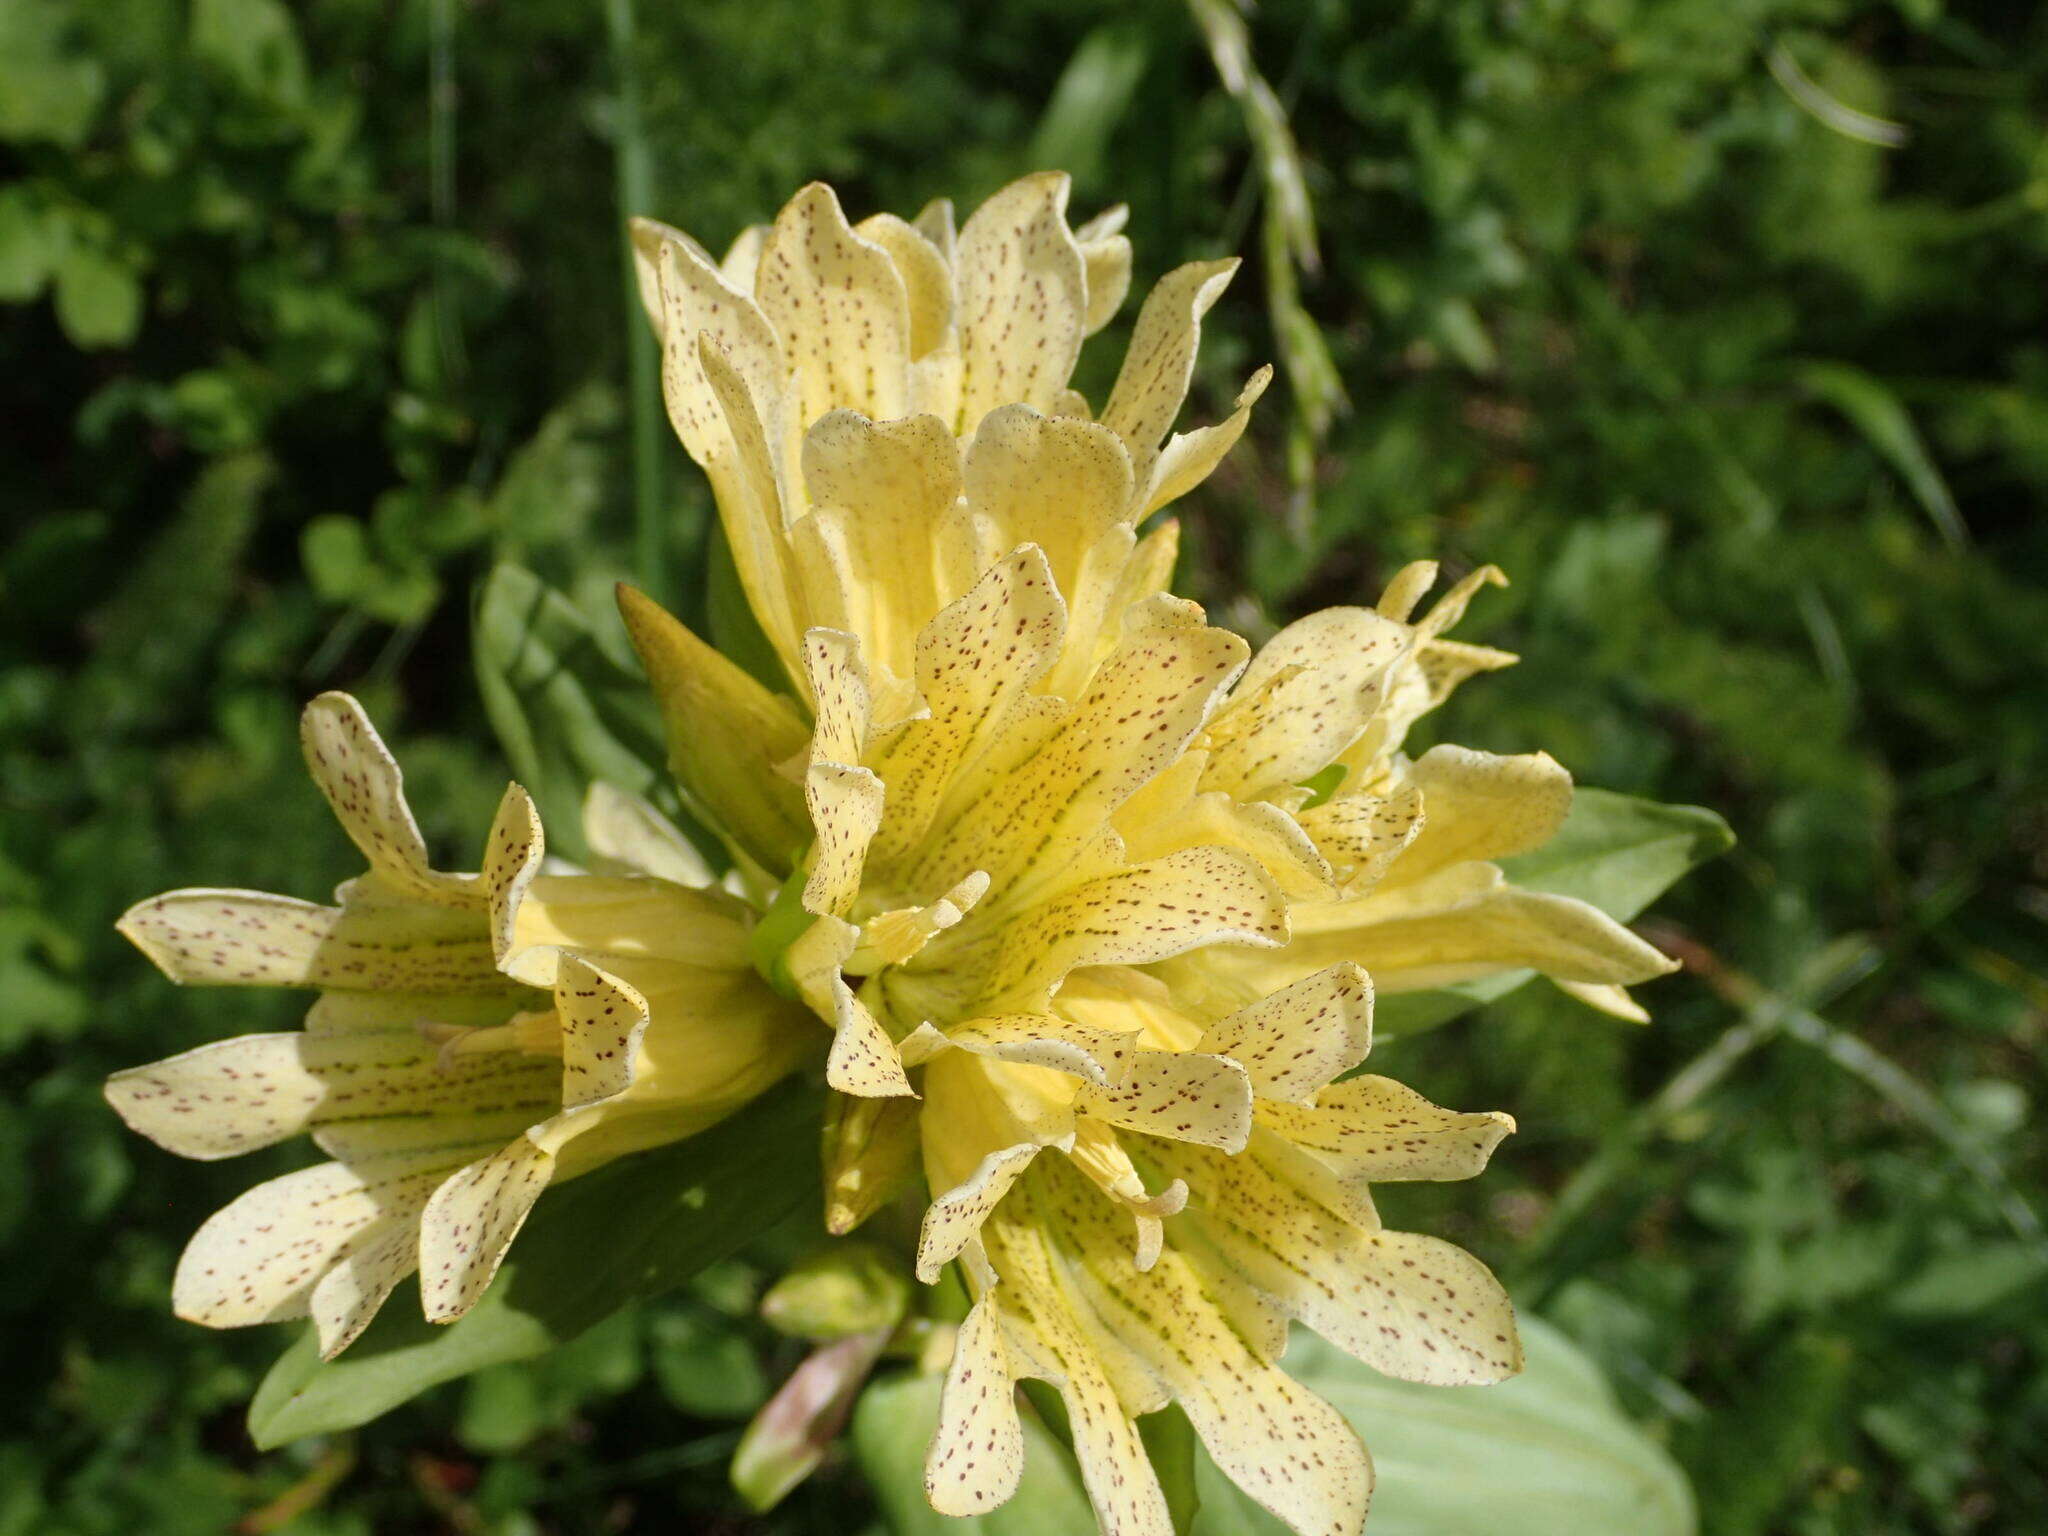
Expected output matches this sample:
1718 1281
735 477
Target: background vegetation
1719 323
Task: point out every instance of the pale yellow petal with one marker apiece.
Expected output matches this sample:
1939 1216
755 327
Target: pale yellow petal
839 689
1450 608
630 917
846 808
927 281
1479 806
1406 589
1411 1306
1305 697
1134 916
977 1450
220 1100
863 1059
512 857
1161 359
471 1220
628 836
648 237
1362 836
754 480
1504 929
1106 256
357 1013
257 1259
881 552
1055 481
362 782
955 1216
1373 1129
976 663
234 1096
1292 1043
702 312
1142 708
349 1294
935 222
1286 1447
871 1153
1189 458
1023 298
976 1104
1172 812
1100 1056
727 735
250 939
1179 1095
1610 1000
1052 1334
838 306
602 1021
741 264
1064 484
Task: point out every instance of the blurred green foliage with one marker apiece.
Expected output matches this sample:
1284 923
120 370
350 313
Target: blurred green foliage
311 312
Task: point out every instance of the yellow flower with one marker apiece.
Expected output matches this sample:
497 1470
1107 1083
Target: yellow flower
987 888
1093 952
1399 857
883 411
475 1037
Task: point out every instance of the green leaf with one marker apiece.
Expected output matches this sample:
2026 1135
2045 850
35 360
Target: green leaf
564 698
1621 853
1091 98
32 242
99 298
1171 1447
705 1364
1546 1454
630 1230
336 556
892 1425
255 44
47 91
1875 411
730 618
1615 851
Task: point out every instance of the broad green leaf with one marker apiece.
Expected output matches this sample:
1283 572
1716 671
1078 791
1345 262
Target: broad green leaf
564 698
630 1230
1615 851
1546 1454
892 1425
1621 853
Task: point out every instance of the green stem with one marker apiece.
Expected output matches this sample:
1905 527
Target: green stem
634 173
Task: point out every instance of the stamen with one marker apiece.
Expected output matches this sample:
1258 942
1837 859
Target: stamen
534 1034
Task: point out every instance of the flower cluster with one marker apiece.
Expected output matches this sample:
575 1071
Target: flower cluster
1089 900
474 1037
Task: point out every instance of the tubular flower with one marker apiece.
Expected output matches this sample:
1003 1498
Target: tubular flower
1093 951
1402 848
1141 1196
883 411
474 1037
